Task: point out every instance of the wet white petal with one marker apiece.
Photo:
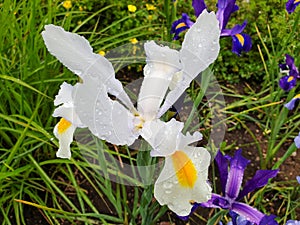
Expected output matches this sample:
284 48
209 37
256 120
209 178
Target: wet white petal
199 49
75 52
64 133
162 63
162 136
185 140
107 119
66 109
170 191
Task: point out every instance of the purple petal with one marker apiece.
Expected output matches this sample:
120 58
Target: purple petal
291 6
291 65
259 180
235 177
268 220
297 143
199 6
225 8
181 25
298 177
216 201
222 163
291 104
252 214
292 222
286 83
241 42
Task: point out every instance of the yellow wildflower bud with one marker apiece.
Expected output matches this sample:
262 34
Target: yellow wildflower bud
150 7
133 40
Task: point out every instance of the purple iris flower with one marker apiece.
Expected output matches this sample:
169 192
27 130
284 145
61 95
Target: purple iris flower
297 143
238 220
291 104
289 66
291 5
298 177
289 81
181 25
292 222
231 183
240 41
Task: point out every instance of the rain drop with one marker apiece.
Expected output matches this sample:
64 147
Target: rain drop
167 185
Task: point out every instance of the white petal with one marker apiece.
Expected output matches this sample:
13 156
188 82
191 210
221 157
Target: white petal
66 109
65 138
107 119
169 191
162 136
199 49
75 52
185 140
162 63
64 94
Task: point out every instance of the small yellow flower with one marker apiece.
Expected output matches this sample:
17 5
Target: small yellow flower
133 40
67 4
80 8
150 7
150 17
101 53
131 8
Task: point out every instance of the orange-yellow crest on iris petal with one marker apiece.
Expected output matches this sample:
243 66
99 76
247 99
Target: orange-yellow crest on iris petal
185 169
240 39
63 125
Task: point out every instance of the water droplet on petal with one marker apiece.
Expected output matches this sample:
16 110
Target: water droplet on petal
167 185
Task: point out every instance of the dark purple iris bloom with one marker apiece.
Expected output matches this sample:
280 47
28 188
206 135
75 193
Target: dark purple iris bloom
231 182
181 25
290 66
291 5
240 41
289 81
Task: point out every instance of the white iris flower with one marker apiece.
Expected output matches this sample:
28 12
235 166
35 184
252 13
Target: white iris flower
118 122
183 179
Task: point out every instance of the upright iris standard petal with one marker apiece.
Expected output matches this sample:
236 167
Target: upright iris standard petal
64 131
199 49
181 25
162 64
291 5
225 9
291 104
288 82
222 163
235 176
199 6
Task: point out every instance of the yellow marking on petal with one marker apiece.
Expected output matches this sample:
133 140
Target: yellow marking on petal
63 125
131 8
240 38
296 1
297 96
290 78
185 169
182 24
